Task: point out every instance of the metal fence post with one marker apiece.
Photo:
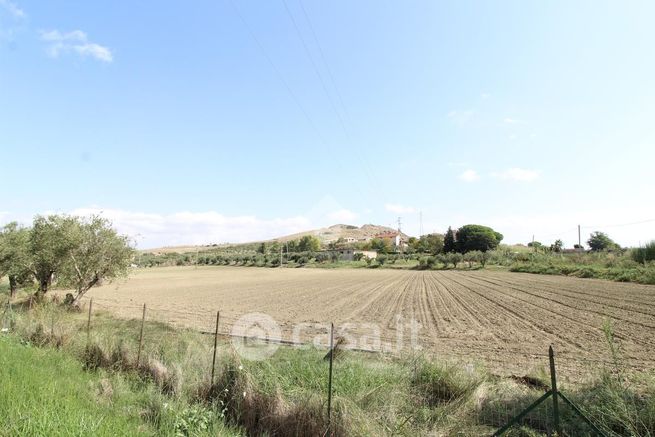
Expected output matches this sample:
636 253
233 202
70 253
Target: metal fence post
553 381
143 320
88 324
218 313
329 412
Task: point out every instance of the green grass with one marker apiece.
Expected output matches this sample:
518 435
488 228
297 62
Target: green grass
285 394
638 274
46 392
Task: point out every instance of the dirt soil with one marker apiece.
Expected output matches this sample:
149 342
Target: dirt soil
504 321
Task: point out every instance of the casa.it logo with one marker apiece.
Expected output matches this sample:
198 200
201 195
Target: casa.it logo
256 336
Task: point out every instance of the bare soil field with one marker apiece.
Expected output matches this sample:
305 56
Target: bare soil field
505 321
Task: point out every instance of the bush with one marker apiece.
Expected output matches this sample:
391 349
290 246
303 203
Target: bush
644 254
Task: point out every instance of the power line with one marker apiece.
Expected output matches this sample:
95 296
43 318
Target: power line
369 175
327 66
619 225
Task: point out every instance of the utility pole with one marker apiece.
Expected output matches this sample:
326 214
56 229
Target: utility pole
281 255
399 238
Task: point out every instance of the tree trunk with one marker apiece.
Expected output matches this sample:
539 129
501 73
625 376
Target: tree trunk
13 286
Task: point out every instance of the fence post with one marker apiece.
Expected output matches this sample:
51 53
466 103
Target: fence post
218 314
143 320
88 324
329 412
553 381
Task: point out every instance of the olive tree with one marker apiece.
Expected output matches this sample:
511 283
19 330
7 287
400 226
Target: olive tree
96 252
14 255
49 246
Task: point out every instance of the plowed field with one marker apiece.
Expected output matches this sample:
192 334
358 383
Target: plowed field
504 320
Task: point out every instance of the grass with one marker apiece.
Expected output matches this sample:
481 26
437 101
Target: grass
639 274
46 392
169 392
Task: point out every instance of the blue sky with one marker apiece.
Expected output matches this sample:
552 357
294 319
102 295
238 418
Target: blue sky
231 120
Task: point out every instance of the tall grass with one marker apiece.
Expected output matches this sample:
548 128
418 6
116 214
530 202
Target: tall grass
644 254
169 392
45 392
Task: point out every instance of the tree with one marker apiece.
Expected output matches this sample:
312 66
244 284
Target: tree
557 246
449 244
49 246
382 245
96 252
261 248
473 256
454 258
600 241
477 237
431 243
14 255
309 243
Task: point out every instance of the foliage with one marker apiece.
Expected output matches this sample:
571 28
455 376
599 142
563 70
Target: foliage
557 246
309 243
95 253
477 237
382 245
600 241
644 254
430 243
14 255
449 244
454 258
49 246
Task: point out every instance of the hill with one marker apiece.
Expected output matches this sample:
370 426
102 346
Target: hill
334 232
326 235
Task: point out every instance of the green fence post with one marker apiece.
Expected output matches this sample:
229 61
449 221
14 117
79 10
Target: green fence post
553 382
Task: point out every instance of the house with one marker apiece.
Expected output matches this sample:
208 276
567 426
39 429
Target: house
394 238
372 254
349 254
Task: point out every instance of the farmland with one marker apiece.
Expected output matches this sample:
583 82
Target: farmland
503 320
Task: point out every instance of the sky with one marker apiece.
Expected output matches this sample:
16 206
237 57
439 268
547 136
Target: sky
232 120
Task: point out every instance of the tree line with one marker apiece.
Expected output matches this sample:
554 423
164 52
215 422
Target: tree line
66 251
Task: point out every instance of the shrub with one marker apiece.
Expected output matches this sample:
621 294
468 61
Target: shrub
644 254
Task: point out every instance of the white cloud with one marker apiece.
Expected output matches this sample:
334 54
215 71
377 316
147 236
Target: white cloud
75 41
11 7
517 174
485 95
399 209
179 228
510 120
469 176
459 117
343 215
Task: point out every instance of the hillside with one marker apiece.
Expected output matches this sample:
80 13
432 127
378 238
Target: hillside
334 232
326 235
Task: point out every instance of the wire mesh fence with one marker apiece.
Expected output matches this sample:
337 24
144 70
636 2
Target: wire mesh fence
149 332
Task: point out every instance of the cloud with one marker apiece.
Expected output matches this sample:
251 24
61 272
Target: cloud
510 120
469 176
343 215
75 41
517 174
179 228
399 209
11 7
459 117
485 95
